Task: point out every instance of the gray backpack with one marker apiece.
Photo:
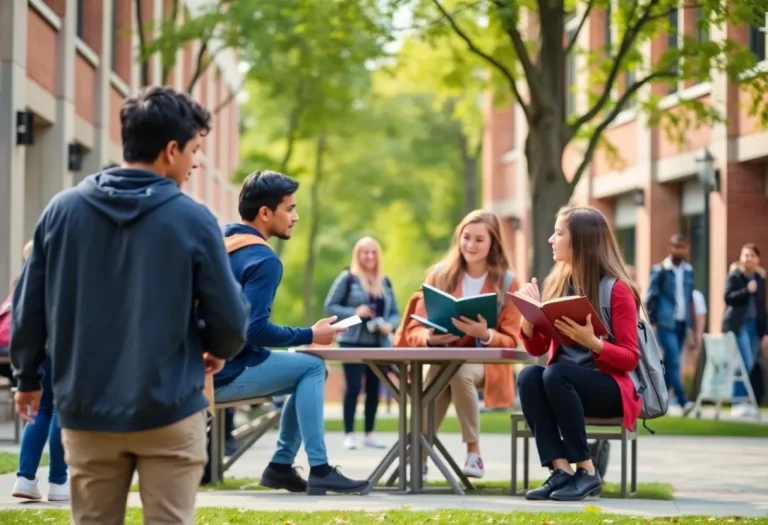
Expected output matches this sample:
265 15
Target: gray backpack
648 377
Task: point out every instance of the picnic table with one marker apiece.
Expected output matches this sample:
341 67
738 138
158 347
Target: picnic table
412 442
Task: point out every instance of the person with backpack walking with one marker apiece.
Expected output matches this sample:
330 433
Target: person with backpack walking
670 307
476 263
45 429
745 315
590 378
363 289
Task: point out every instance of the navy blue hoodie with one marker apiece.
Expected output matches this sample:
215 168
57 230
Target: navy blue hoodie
259 271
118 264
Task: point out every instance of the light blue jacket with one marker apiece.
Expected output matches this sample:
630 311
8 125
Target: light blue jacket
661 299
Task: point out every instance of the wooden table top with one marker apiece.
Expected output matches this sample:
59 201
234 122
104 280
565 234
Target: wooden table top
426 355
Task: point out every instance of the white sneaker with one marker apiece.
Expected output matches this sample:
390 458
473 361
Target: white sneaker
473 467
58 492
372 442
743 410
424 472
349 442
674 410
26 489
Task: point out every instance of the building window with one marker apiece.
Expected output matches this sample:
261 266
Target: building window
625 237
570 96
757 40
672 44
608 35
80 19
692 226
702 26
629 80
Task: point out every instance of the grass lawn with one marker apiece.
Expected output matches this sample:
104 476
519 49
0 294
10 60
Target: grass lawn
591 516
658 491
9 462
498 423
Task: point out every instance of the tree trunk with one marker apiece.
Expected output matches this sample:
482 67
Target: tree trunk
293 125
550 190
314 228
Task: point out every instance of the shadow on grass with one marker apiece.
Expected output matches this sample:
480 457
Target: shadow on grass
656 491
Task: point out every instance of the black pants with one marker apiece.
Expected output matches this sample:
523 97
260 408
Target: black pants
555 401
354 374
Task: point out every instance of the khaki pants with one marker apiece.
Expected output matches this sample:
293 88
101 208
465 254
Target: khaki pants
462 390
170 462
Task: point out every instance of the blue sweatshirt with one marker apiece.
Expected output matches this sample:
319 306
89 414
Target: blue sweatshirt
259 272
117 267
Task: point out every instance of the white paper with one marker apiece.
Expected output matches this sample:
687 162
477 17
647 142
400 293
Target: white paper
349 321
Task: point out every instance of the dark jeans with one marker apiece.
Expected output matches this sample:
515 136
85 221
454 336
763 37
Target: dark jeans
557 399
45 429
353 375
672 341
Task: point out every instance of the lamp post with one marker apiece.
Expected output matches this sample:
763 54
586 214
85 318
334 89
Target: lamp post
707 177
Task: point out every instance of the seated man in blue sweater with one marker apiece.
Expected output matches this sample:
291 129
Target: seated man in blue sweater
268 209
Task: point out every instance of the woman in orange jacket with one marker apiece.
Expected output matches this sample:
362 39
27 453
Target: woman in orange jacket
476 263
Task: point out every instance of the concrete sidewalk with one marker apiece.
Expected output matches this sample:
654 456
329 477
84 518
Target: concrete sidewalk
712 476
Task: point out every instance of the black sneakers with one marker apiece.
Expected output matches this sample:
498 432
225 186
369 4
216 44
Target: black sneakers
580 486
335 481
557 480
290 481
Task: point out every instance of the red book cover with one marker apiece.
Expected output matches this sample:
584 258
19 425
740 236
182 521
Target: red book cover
543 315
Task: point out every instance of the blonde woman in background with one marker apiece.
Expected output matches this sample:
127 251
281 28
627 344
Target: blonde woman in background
363 289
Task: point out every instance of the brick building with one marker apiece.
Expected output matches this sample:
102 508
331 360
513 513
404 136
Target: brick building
655 188
65 68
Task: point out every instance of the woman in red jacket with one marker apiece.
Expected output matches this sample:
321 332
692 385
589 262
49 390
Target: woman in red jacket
586 379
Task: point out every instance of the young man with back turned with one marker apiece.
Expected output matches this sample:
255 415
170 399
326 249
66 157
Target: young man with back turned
268 209
109 291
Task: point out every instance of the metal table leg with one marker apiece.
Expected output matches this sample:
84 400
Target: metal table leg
399 450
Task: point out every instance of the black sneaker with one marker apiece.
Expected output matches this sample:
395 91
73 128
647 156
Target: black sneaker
581 486
335 481
290 481
557 480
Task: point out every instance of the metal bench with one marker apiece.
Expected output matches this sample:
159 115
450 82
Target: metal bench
248 434
614 430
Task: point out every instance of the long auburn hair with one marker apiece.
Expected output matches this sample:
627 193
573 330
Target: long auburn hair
453 266
595 252
373 284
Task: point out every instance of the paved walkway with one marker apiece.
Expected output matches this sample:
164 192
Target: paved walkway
713 476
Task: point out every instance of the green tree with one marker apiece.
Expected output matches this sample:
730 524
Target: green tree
437 65
530 67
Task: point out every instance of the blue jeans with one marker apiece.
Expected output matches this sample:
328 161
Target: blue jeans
673 342
748 342
45 428
283 373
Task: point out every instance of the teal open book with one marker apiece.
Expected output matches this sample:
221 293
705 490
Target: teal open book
442 307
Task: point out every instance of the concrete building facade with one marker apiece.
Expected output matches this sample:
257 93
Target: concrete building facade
653 190
65 68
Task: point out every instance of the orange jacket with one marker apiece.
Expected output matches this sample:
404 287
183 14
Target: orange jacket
499 384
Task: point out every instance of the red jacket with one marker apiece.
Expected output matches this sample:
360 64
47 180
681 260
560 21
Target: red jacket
618 358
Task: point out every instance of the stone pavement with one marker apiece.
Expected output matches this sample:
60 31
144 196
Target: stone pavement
713 476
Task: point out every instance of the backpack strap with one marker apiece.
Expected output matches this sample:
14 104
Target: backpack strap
605 291
509 276
241 240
